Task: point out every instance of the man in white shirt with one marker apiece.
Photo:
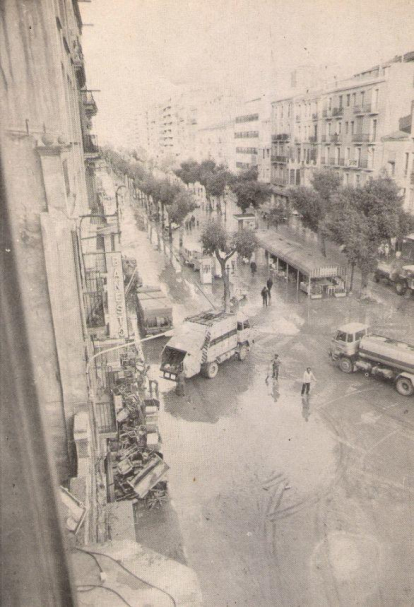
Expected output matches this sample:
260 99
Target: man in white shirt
308 376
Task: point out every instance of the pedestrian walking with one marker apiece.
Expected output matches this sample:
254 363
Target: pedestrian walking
308 376
387 250
253 268
269 285
264 293
274 368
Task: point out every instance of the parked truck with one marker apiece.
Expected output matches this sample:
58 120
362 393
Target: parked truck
354 348
203 342
154 311
399 271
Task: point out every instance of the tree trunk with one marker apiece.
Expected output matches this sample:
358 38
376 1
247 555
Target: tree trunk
323 244
351 284
226 283
364 284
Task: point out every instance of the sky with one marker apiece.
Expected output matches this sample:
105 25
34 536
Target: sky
137 51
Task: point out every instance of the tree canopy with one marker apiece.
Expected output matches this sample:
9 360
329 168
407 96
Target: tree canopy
360 219
217 241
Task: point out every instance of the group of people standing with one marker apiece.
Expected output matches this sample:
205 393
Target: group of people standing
308 376
266 292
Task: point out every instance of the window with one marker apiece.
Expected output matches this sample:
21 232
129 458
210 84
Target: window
360 334
375 99
362 97
340 101
374 130
346 128
348 153
357 180
353 98
330 103
329 128
346 178
352 127
339 127
407 160
340 336
348 100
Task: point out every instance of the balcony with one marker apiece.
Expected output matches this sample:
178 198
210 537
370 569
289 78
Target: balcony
332 161
281 181
335 138
281 137
327 113
313 139
89 103
325 138
338 111
366 108
90 146
315 116
324 161
297 118
281 159
298 139
361 138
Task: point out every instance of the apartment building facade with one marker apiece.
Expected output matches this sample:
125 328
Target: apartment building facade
252 129
352 126
48 154
216 142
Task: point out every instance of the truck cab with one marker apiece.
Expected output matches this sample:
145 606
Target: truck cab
345 343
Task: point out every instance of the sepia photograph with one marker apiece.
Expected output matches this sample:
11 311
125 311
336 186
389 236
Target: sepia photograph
207 303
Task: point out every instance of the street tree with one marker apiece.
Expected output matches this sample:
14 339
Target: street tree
189 172
182 205
217 241
360 219
314 202
277 214
250 193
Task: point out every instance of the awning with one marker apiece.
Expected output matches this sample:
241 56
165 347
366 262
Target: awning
300 256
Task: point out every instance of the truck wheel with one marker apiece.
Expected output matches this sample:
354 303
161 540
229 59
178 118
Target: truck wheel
400 288
211 370
404 386
243 352
346 365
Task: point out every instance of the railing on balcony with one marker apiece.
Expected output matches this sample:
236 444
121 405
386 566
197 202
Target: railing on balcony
313 139
338 111
332 161
315 116
327 113
366 108
325 138
277 158
361 137
324 161
412 179
90 145
281 137
335 138
297 118
89 102
279 181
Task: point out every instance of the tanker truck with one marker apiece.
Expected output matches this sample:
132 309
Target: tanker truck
354 348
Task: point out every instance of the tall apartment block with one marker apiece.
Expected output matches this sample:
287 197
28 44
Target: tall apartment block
359 127
252 137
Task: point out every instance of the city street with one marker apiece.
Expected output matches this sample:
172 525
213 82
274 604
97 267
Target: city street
279 501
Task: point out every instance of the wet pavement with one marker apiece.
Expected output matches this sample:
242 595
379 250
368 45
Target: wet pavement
281 501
